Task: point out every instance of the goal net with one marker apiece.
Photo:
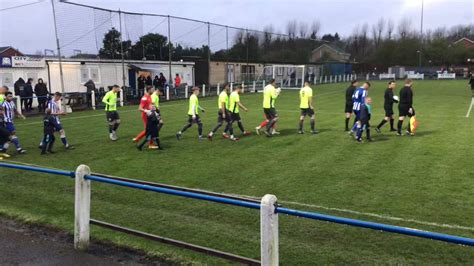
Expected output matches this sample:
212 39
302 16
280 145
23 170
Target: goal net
286 76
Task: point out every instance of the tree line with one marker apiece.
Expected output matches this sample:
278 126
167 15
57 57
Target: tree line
382 44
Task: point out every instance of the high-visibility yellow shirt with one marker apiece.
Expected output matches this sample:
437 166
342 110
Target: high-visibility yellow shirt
223 98
110 101
269 96
305 95
155 100
193 103
234 102
2 98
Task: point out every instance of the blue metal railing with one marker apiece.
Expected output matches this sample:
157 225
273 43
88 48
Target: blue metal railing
253 205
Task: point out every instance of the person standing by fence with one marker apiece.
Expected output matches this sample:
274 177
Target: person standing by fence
29 95
348 108
113 118
471 82
90 87
41 92
19 88
177 83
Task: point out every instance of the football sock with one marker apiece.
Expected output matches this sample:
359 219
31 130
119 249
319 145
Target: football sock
301 125
200 129
241 126
16 142
347 123
382 123
313 124
263 124
218 126
188 125
140 135
399 126
391 123
64 141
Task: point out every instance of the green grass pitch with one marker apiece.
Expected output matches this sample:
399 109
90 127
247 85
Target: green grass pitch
426 180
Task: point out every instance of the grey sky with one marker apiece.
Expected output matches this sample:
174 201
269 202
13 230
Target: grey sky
31 28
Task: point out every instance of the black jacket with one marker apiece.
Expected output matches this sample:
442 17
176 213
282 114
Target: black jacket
28 90
41 89
406 96
349 92
471 81
19 87
364 114
50 124
388 98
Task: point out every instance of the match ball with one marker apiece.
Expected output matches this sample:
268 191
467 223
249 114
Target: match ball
396 98
278 90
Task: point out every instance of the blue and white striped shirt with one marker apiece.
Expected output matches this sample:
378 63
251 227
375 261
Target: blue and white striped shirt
9 109
55 109
358 98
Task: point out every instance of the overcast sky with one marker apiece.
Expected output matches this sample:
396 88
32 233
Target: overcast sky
30 28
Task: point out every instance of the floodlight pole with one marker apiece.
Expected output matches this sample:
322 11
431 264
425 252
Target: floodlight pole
59 53
227 53
169 49
209 54
121 52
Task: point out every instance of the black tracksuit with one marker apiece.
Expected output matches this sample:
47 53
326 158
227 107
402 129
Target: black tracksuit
50 124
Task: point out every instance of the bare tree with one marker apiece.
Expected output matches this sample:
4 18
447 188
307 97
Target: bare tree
364 31
390 27
268 36
377 30
315 28
303 29
404 27
291 28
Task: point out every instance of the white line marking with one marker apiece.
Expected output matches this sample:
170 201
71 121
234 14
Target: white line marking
470 108
368 214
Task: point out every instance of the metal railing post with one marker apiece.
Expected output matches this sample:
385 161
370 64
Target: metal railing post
121 96
254 86
93 99
269 231
218 88
82 208
186 89
203 90
243 87
167 93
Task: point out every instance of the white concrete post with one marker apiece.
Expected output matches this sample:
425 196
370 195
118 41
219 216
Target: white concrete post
330 79
93 99
243 87
263 84
325 79
269 231
167 93
82 208
121 97
218 88
203 90
18 104
321 80
231 86
186 92
254 86
340 78
367 77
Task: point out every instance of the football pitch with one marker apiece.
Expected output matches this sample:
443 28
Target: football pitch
423 181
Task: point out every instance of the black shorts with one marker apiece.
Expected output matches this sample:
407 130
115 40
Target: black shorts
307 112
112 115
270 113
235 117
191 120
220 119
403 110
348 108
4 135
388 111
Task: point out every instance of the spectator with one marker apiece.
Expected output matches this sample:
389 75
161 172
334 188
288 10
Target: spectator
41 92
162 83
19 88
29 95
90 87
177 83
149 82
141 85
471 82
156 82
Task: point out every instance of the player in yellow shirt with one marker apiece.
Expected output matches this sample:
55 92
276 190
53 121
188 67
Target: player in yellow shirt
113 118
223 115
270 94
234 104
306 106
193 114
